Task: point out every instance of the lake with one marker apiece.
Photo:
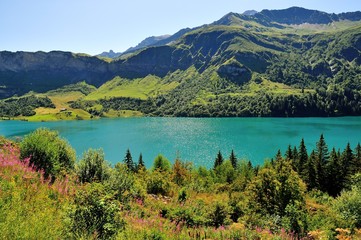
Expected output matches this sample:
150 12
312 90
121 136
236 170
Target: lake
196 139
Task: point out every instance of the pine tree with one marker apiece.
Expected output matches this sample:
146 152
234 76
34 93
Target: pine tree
295 158
334 185
302 159
321 162
279 155
347 166
140 162
310 171
233 160
357 158
128 160
289 153
219 160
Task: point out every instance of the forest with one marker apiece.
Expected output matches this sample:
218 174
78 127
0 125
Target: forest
45 193
322 103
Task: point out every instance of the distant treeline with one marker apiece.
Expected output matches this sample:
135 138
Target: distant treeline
322 103
23 106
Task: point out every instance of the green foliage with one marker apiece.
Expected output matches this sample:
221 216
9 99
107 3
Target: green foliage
182 196
93 167
23 106
181 172
95 214
225 173
242 202
48 152
121 183
295 219
128 160
161 163
274 188
348 206
219 160
233 160
141 164
158 183
218 214
30 207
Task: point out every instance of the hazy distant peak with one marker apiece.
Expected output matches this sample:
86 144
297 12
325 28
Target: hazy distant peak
250 12
110 54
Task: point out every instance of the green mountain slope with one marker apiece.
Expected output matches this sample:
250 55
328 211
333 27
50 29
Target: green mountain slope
265 64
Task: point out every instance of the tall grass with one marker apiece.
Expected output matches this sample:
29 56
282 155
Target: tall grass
30 208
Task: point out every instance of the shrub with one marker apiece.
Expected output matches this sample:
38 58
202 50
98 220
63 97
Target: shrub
94 215
92 167
48 152
161 163
158 183
219 214
121 182
348 206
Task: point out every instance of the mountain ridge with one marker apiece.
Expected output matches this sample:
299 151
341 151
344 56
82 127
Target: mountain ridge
236 59
292 16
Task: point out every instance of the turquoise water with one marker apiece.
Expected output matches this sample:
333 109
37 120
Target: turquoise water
196 139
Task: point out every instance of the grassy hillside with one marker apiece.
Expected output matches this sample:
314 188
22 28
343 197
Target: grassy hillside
150 86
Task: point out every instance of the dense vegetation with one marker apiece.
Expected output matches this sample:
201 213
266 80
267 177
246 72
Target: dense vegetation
313 194
322 103
23 106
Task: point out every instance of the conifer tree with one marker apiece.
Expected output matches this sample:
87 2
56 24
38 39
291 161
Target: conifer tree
334 185
347 166
140 162
219 160
322 157
233 159
128 160
302 159
310 171
279 155
289 153
357 158
295 160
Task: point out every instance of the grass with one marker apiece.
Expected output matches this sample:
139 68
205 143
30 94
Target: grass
30 208
252 89
122 113
62 110
141 88
269 87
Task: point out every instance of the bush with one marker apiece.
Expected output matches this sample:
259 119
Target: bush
219 214
161 163
158 183
348 206
48 152
121 182
94 215
92 167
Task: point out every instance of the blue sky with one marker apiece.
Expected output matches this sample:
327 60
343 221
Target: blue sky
93 26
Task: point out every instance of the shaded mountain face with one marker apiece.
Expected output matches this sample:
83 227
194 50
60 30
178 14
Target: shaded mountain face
235 47
21 72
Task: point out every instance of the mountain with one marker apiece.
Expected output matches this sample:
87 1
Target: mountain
156 41
292 62
297 15
150 41
249 12
110 54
